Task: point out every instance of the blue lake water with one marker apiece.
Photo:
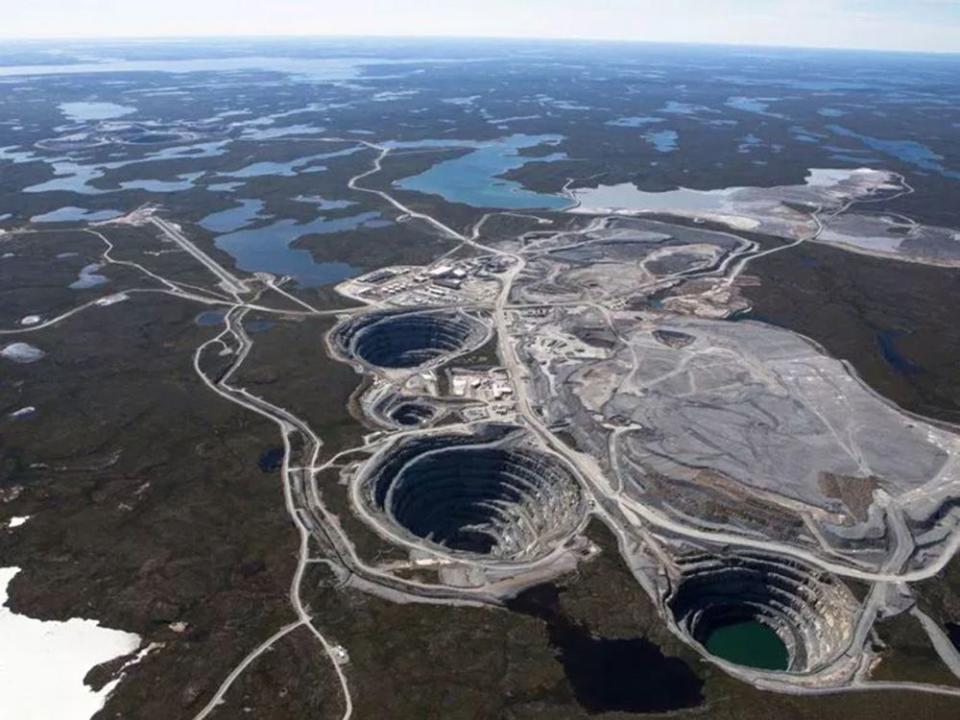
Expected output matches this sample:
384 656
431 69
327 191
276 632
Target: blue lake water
634 122
462 101
273 133
152 138
473 179
198 150
314 69
235 218
275 169
856 160
268 248
566 104
887 340
824 85
758 106
70 177
210 318
75 214
216 318
76 177
271 460
848 151
953 630
83 111
908 151
323 203
511 119
674 107
802 134
664 141
748 143
88 278
185 182
288 169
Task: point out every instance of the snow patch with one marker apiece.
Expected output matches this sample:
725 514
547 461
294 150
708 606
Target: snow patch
112 299
43 663
22 353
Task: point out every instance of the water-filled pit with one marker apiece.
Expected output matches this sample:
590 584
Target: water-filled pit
750 643
763 612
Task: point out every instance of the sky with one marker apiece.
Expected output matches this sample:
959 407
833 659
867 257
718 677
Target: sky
925 25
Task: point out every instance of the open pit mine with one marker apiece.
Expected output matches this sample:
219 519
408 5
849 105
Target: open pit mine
760 492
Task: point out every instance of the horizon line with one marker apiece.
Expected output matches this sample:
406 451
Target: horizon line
487 38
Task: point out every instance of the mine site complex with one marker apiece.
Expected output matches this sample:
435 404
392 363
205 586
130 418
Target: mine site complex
746 474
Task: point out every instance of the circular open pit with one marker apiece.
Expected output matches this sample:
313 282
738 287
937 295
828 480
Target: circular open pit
383 404
411 414
726 603
481 496
399 340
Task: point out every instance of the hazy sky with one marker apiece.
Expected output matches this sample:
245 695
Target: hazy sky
890 24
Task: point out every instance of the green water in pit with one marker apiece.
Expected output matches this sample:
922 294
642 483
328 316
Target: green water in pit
749 643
